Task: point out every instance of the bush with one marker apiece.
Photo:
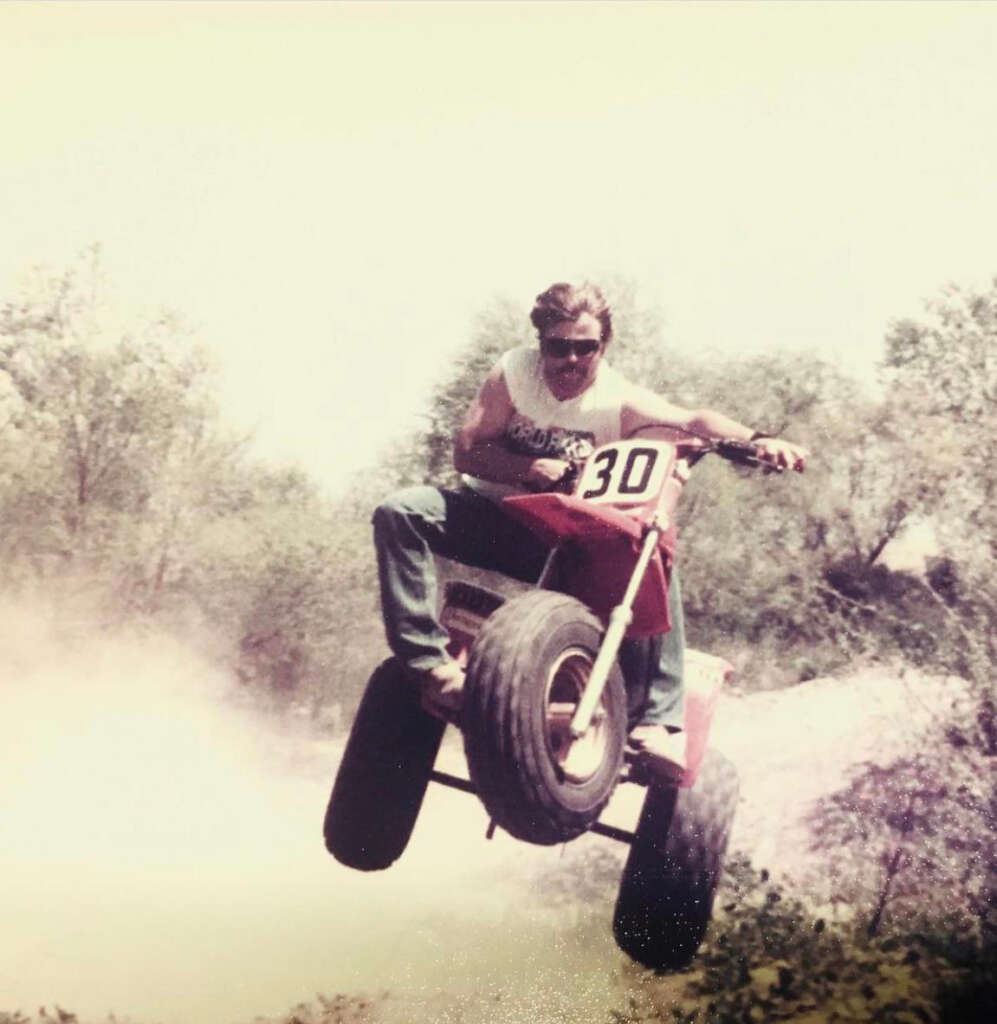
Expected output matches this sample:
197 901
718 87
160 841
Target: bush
767 958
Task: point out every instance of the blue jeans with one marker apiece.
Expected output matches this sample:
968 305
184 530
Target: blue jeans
413 525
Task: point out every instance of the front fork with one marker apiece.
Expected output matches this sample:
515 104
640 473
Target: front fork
619 619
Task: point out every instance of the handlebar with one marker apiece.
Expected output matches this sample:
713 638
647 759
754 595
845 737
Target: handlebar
742 453
739 452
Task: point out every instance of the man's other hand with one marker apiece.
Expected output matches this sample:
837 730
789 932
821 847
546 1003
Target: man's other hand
543 474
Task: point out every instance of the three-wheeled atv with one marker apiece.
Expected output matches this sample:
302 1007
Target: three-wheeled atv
545 714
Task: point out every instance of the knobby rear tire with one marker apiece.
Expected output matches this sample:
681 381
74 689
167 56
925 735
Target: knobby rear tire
384 773
671 875
535 644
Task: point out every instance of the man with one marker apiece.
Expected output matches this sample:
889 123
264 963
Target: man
538 409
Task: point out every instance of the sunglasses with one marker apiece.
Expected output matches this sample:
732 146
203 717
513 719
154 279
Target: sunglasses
561 348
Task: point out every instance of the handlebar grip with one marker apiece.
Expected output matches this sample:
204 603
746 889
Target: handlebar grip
744 453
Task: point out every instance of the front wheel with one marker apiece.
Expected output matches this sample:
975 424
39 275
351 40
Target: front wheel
528 668
670 878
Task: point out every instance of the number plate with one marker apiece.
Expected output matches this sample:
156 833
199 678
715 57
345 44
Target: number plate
626 472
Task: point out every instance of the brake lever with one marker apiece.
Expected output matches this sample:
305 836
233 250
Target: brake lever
744 453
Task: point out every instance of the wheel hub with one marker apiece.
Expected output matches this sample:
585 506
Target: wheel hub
577 758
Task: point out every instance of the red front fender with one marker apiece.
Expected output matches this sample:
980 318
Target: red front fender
604 544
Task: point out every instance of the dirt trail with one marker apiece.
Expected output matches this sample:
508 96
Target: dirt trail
161 858
794 746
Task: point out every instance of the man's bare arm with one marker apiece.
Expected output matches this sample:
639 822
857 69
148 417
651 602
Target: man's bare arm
480 451
644 407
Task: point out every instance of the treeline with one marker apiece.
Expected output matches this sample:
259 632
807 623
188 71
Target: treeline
122 491
116 474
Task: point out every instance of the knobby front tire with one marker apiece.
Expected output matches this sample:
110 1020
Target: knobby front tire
527 669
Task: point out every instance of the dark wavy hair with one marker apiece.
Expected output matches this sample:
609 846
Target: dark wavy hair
563 301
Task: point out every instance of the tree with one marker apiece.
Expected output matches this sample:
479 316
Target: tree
904 840
115 473
109 434
946 363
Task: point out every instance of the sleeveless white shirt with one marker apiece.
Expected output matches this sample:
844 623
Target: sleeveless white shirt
543 426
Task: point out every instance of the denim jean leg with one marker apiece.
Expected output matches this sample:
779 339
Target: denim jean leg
404 525
413 525
666 696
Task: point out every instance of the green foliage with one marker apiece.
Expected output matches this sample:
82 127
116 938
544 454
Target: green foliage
115 476
945 367
429 457
108 438
768 958
950 358
903 841
794 563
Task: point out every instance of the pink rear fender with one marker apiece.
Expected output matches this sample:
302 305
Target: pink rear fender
705 675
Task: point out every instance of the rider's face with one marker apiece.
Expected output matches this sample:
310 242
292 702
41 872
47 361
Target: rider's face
569 369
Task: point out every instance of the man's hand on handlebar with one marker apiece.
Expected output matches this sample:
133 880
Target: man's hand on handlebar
780 455
546 474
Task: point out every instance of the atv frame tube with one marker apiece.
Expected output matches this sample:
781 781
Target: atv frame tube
619 621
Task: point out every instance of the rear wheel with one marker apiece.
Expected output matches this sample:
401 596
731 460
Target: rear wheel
528 668
670 878
384 773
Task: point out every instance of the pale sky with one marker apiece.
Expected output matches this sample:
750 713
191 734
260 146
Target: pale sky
330 192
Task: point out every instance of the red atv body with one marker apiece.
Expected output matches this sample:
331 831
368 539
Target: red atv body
627 492
545 713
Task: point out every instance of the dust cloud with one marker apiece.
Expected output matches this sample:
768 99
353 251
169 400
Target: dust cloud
161 859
